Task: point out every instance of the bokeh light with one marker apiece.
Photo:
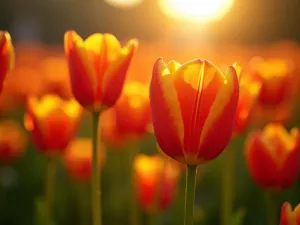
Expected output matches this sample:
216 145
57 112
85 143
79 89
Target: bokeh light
124 3
196 10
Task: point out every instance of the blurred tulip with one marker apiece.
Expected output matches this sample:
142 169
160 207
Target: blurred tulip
249 92
12 142
289 216
98 68
273 156
156 182
78 159
277 80
52 121
130 118
7 57
193 109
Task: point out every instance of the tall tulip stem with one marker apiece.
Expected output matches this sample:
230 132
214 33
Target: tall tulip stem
49 184
227 186
190 194
271 209
96 195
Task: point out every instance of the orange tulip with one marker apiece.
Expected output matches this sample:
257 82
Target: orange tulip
276 77
7 56
131 116
193 109
249 92
52 121
156 182
273 156
98 68
12 142
289 216
78 159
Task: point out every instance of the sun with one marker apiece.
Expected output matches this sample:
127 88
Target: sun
196 10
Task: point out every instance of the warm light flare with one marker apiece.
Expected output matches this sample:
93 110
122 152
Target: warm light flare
196 10
124 3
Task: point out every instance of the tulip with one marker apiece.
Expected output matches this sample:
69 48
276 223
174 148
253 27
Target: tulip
276 77
52 121
98 67
7 56
130 118
273 157
156 182
12 142
289 216
78 159
193 110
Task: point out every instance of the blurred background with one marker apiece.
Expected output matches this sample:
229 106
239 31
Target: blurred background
222 31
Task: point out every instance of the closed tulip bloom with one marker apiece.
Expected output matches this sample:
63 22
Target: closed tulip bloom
78 159
289 216
276 77
249 92
193 109
156 182
273 157
7 56
52 121
12 142
98 68
130 118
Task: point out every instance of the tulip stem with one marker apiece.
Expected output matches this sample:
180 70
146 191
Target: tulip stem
134 212
227 186
271 209
190 194
96 196
49 184
153 219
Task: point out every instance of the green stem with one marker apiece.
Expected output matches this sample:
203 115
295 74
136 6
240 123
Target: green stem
271 209
96 198
134 212
82 203
227 186
190 194
49 184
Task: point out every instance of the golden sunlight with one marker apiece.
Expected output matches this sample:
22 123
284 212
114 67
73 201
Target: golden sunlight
196 10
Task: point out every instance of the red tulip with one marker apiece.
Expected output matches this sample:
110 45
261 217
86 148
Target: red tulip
12 142
52 121
130 118
78 159
273 156
276 78
289 216
156 182
193 109
7 56
98 67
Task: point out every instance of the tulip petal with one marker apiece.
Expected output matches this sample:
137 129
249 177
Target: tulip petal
167 120
297 214
82 74
197 83
286 217
219 123
6 55
114 77
262 167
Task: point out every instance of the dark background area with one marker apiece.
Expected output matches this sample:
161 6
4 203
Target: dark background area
249 21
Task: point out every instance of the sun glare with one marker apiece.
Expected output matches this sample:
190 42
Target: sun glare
124 3
196 10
